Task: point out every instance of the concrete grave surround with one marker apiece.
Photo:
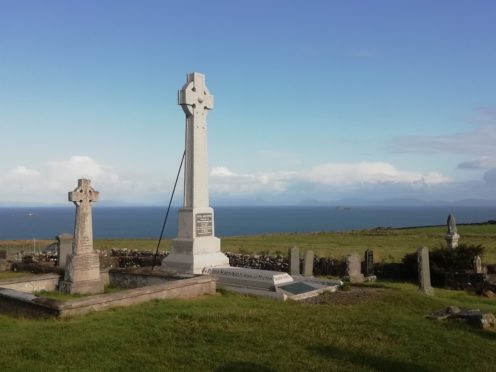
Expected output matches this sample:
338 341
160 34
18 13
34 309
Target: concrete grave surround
64 243
424 271
274 284
196 246
354 269
82 270
294 261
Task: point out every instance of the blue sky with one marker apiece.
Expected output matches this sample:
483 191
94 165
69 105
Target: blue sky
323 100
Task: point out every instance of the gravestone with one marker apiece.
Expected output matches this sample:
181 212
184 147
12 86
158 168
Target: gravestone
424 271
308 264
477 264
64 243
294 261
4 264
369 262
354 268
196 246
452 236
82 269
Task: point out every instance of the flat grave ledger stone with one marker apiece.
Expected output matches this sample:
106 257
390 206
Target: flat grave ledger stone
196 245
294 261
308 263
354 268
424 271
82 270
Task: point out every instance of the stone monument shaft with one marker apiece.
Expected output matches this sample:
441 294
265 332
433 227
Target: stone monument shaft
196 101
82 197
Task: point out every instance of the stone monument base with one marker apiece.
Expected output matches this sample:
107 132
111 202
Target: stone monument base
82 274
452 240
191 256
82 287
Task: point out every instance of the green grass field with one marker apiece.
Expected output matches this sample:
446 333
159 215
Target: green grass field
230 332
389 245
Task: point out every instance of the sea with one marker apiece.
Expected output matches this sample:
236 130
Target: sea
146 222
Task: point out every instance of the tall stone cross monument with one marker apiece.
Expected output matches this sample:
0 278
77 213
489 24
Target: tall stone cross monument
82 270
196 246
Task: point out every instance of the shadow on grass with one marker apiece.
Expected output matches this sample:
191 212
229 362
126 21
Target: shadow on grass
243 367
375 362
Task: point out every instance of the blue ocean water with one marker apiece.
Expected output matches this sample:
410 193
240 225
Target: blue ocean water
146 222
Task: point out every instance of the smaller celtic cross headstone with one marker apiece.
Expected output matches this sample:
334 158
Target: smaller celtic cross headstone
82 269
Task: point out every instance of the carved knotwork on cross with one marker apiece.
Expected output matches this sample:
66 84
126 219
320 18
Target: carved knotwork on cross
194 97
83 194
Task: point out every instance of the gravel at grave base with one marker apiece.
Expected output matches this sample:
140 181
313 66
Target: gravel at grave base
352 296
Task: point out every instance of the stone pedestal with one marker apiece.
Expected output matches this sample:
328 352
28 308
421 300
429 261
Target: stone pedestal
82 274
452 240
196 246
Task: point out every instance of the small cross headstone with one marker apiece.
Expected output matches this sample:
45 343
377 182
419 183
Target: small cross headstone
477 264
354 268
369 262
308 264
424 271
82 269
452 235
294 261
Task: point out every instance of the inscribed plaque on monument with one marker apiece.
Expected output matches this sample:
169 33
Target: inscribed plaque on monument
204 224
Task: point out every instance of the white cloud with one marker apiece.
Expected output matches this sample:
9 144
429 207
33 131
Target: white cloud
369 173
483 162
340 175
51 183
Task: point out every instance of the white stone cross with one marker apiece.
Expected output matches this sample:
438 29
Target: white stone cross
82 197
194 97
196 101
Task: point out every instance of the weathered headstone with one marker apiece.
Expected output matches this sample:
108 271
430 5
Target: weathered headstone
4 264
477 264
82 270
369 262
64 243
424 271
196 246
308 263
354 268
294 261
452 236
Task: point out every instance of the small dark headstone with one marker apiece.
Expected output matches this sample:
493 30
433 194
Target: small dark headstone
294 261
369 262
424 271
3 254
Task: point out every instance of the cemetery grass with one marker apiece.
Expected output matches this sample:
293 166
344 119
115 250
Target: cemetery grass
389 245
227 332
